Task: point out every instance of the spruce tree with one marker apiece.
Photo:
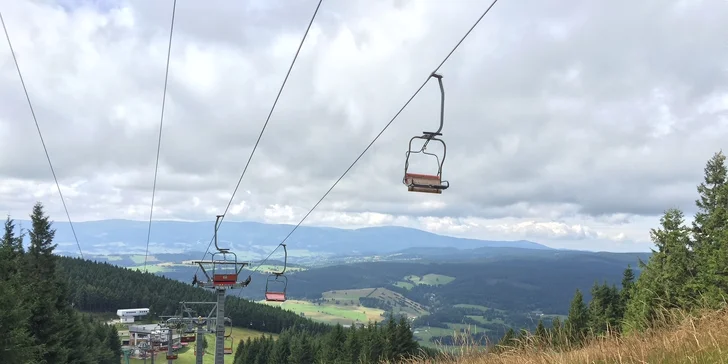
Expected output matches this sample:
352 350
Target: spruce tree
627 288
114 342
577 323
281 350
352 345
711 233
239 352
49 322
508 339
301 351
405 344
541 335
668 279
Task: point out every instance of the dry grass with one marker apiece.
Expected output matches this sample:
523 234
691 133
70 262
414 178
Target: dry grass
680 338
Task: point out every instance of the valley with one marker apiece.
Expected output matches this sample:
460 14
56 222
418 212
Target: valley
480 292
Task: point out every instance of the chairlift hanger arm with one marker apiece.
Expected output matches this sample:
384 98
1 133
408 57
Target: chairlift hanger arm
442 107
285 259
217 225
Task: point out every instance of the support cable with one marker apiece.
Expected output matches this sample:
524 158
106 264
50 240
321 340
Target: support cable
293 62
35 119
375 138
159 141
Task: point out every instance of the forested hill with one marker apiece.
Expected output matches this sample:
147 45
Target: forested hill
37 321
102 287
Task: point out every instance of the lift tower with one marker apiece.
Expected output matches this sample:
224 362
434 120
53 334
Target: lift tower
225 273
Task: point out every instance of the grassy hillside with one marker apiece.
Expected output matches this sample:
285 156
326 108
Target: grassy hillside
699 339
330 313
187 354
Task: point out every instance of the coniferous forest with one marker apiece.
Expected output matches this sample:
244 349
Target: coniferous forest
102 287
391 340
687 271
37 320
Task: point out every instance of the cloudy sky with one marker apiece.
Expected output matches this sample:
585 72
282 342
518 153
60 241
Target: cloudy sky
574 124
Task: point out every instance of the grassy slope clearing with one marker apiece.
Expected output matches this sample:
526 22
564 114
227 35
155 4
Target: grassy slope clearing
428 279
187 356
399 302
343 307
330 313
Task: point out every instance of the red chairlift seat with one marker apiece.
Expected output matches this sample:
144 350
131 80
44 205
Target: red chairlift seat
227 279
423 183
275 296
172 357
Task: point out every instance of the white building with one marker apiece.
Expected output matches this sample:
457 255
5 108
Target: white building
127 315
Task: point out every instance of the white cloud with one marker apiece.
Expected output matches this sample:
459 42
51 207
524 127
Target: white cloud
561 127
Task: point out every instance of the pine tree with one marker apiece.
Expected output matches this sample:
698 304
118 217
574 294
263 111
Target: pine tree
557 336
405 344
352 345
390 339
301 351
710 229
508 340
239 352
541 335
668 279
17 344
627 289
334 345
114 343
49 324
281 350
577 323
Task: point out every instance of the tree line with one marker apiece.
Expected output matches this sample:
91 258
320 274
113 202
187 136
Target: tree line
38 324
392 340
102 287
688 271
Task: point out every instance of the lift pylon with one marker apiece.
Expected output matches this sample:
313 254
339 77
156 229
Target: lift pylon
221 272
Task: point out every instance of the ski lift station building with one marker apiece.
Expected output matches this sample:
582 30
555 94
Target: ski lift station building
127 315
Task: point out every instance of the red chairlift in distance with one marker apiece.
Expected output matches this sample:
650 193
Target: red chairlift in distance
277 278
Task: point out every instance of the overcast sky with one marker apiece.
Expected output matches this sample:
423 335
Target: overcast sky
573 124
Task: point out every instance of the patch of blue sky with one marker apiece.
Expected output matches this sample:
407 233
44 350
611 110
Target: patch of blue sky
102 5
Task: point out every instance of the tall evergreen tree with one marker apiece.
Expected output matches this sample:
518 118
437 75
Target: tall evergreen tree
281 350
301 351
577 323
710 230
352 345
667 280
405 344
627 288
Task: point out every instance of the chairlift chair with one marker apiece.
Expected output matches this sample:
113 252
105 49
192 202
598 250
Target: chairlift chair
428 183
279 280
172 357
228 345
224 272
276 295
225 267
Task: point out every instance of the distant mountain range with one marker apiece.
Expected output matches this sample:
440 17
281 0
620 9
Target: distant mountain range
109 237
